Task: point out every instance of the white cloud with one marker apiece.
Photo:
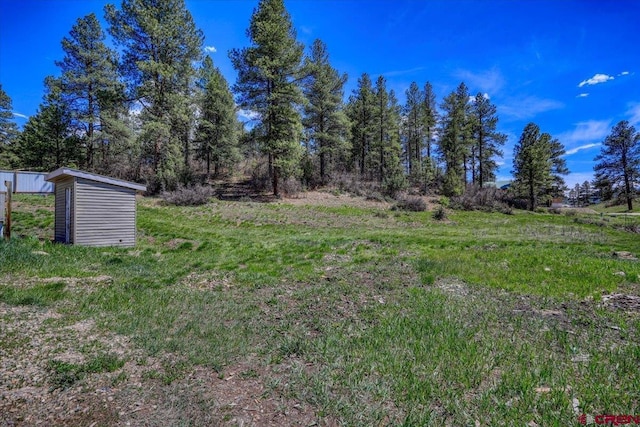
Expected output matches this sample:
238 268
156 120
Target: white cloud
210 49
634 114
472 99
22 116
582 95
527 107
487 81
624 73
248 115
582 147
584 134
402 72
596 79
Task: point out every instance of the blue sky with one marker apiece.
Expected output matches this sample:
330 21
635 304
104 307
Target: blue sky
572 67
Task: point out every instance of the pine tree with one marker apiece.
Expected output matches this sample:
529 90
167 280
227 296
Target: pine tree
619 160
216 135
267 74
454 141
8 132
537 164
360 111
413 131
48 140
325 121
160 43
558 167
429 116
89 82
486 140
393 177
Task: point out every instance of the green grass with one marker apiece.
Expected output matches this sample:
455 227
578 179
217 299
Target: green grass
64 374
40 295
373 317
621 208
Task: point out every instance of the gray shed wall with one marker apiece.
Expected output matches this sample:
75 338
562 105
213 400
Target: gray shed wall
105 215
59 223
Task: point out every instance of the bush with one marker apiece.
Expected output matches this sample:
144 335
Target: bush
485 199
291 187
352 183
411 203
376 196
440 213
260 180
394 184
189 196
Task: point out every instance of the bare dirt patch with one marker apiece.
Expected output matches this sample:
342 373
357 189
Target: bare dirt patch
138 393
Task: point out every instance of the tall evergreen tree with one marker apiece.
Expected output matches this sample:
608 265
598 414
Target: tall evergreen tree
429 116
619 160
160 45
360 111
535 164
486 140
455 138
89 83
48 140
413 130
558 167
216 135
325 121
8 132
267 74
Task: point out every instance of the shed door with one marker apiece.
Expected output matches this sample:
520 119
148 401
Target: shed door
67 215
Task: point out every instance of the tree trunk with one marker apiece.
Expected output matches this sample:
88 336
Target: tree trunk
628 192
274 182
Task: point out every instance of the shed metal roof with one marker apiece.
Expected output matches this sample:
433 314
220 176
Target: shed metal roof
62 173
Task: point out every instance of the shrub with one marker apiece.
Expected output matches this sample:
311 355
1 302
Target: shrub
376 196
260 180
189 196
394 184
440 213
352 183
291 187
411 203
489 199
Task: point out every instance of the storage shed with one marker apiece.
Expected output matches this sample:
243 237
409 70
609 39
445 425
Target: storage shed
94 210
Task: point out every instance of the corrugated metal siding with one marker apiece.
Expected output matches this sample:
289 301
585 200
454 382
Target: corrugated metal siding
5 176
27 182
105 214
59 223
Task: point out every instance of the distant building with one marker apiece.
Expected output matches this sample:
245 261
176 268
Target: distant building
502 185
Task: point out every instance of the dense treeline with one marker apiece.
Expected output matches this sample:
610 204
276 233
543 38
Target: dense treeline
157 110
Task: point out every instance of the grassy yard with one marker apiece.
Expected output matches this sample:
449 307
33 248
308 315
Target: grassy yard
243 313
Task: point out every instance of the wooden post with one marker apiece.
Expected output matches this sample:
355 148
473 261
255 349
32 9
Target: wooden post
7 219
